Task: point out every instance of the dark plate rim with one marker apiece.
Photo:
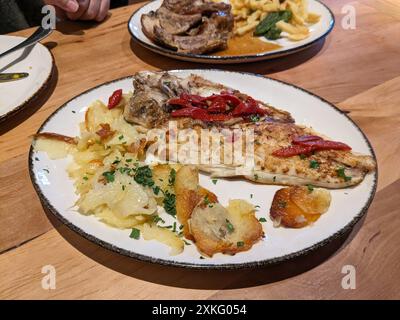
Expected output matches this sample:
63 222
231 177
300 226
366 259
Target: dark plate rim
234 59
202 266
35 95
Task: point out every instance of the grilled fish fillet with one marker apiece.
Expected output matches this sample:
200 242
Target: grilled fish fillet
276 130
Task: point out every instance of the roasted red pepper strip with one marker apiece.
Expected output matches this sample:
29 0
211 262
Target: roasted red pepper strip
115 99
218 105
248 108
233 100
299 139
325 145
179 102
188 112
293 151
194 99
199 114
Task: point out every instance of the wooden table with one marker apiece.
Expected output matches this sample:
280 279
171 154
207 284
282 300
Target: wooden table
357 69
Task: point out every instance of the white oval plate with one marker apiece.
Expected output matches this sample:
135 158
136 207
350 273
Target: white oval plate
56 190
38 62
317 31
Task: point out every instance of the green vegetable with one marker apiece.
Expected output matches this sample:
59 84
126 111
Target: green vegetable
310 188
144 176
135 234
170 203
340 172
156 190
267 26
314 164
156 219
262 220
240 243
109 175
255 118
214 181
172 176
229 226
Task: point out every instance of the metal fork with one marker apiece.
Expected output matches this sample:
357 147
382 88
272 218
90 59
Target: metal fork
38 35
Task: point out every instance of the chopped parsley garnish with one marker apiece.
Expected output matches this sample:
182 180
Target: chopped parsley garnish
46 170
172 176
85 178
157 219
174 227
274 179
256 176
302 156
121 137
201 257
240 243
185 242
116 161
255 118
109 175
123 170
169 203
314 164
167 227
36 158
156 190
340 172
144 176
207 202
73 111
262 220
128 160
135 234
229 226
214 181
251 196
181 227
310 188
123 188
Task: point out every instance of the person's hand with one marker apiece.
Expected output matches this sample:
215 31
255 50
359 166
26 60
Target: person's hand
82 9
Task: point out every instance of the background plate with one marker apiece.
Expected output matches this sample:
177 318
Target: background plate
317 31
348 205
37 61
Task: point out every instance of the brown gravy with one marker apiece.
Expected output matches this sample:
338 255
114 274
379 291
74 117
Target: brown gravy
247 45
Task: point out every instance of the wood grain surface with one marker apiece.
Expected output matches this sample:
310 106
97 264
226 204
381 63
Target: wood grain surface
357 69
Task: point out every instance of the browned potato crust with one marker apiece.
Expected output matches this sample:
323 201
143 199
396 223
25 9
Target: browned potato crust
299 206
216 229
188 195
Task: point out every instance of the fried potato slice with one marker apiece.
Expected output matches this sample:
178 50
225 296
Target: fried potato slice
216 229
299 206
188 195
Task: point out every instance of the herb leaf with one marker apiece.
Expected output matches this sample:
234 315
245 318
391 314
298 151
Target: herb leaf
144 176
340 172
135 234
109 175
314 164
169 203
229 226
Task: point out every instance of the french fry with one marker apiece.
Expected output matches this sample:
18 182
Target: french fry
249 13
241 31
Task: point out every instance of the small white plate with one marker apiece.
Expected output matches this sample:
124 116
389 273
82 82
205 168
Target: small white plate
318 31
37 61
56 190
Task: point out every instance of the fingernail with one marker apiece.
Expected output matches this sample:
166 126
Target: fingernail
72 6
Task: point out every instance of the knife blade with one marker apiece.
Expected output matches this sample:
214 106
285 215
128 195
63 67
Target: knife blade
5 77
